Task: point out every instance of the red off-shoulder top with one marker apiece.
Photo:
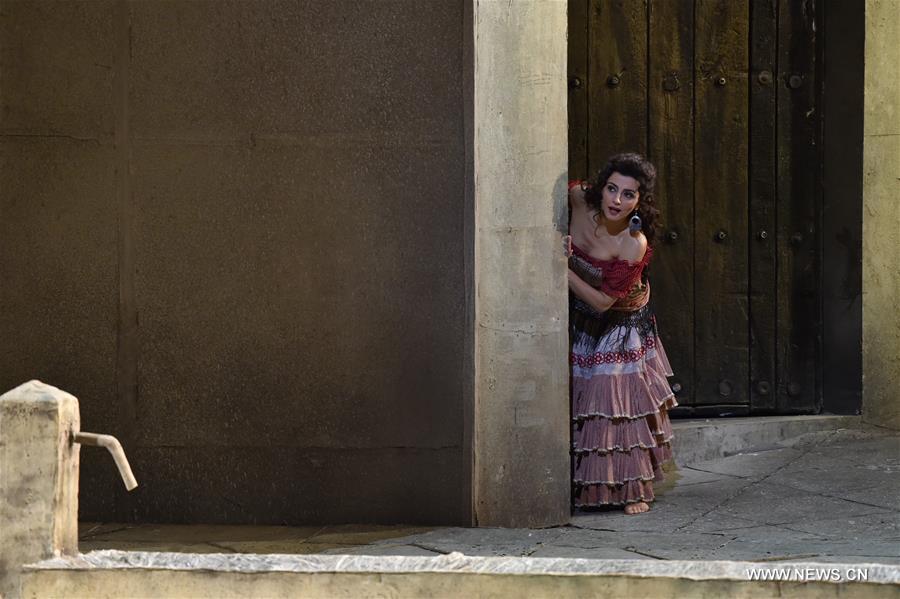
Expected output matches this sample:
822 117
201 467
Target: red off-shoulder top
619 276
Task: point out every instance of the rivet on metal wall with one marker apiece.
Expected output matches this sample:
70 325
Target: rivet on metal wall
721 81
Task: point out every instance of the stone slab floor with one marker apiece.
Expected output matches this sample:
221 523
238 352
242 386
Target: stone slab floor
825 497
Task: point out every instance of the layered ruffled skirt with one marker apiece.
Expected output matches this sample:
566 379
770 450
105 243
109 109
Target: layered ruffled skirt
620 396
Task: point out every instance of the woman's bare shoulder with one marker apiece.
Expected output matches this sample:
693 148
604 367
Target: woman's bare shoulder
636 247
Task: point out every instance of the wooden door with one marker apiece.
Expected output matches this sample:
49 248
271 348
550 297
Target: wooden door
721 95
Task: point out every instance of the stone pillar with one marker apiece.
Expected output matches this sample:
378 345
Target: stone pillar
38 479
520 162
881 215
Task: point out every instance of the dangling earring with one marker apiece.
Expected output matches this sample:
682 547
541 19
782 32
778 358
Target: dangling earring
634 223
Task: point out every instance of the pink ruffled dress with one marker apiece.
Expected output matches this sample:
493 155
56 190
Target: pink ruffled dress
620 396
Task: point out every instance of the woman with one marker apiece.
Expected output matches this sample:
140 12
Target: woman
620 396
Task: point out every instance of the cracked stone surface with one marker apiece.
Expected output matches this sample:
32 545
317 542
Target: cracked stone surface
402 550
830 497
692 476
670 519
202 538
585 552
750 465
718 522
776 504
484 541
885 525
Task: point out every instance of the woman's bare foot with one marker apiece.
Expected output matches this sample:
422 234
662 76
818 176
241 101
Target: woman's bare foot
636 508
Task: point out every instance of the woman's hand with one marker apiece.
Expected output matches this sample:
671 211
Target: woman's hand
567 246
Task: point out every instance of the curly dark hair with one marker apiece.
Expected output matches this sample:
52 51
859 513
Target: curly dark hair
639 168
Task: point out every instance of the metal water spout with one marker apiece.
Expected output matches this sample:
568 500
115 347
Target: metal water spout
115 449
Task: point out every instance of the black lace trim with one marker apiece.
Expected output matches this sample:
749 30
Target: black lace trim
587 326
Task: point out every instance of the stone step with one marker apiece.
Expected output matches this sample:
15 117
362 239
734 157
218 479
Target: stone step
447 576
699 439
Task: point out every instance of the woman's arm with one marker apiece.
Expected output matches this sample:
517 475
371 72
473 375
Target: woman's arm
595 298
576 194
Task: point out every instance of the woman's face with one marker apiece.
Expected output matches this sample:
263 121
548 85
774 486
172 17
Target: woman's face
620 197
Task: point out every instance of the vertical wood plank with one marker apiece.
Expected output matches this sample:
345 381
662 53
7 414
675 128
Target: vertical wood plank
671 146
720 177
618 74
796 171
578 89
841 41
763 229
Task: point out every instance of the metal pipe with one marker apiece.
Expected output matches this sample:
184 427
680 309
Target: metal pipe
115 449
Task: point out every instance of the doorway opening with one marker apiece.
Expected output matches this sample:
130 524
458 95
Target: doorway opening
748 110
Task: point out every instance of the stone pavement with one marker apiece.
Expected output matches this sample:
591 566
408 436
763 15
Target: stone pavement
822 497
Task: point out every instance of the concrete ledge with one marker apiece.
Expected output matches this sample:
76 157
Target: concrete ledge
133 574
697 440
